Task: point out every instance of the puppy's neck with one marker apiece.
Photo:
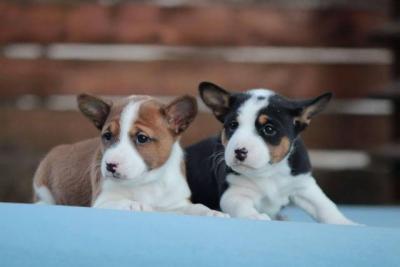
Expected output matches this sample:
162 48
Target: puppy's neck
170 170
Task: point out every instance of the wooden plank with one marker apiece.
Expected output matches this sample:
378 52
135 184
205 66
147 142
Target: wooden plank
44 77
43 129
186 25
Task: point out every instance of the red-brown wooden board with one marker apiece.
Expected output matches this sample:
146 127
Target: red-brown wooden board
186 25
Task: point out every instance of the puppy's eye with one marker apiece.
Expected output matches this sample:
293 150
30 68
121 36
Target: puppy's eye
233 125
142 138
269 130
107 136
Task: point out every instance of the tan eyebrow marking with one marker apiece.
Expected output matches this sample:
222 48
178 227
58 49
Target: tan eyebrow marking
114 127
263 119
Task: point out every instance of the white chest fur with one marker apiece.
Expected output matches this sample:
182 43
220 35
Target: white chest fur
162 189
270 189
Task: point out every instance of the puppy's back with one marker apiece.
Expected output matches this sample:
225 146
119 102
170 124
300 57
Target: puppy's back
64 175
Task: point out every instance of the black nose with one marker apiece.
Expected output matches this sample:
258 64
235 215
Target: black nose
241 153
111 167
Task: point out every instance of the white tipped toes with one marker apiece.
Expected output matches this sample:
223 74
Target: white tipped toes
124 204
216 213
201 210
137 206
43 195
259 216
346 221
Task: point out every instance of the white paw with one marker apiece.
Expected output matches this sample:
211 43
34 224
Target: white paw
137 206
259 216
349 222
126 204
343 221
216 213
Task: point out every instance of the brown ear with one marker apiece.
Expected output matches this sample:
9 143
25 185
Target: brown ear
180 113
309 108
215 98
94 108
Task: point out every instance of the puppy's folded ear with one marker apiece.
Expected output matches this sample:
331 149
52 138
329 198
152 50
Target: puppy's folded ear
215 98
307 109
180 113
94 108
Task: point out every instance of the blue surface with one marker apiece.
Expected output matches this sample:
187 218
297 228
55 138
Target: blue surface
36 235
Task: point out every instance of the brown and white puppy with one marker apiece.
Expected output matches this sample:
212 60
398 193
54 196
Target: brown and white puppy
136 164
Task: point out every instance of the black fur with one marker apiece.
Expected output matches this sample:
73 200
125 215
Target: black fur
206 169
299 161
205 164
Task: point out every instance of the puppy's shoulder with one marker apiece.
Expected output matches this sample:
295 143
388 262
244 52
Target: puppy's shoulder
299 161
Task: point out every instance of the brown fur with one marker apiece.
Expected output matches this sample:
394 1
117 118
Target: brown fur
224 140
114 127
263 119
279 151
152 123
72 172
55 172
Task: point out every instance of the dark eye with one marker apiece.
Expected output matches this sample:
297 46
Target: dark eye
233 125
142 138
107 136
269 130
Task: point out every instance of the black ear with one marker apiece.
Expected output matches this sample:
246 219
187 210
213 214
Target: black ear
215 98
94 108
307 109
180 113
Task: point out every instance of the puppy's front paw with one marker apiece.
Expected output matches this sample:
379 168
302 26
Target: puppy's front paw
350 222
137 206
216 213
259 216
126 204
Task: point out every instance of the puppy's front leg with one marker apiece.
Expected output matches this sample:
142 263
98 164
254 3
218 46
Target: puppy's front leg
109 201
312 199
200 209
240 203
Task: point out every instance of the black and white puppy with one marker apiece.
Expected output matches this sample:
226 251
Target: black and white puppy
259 163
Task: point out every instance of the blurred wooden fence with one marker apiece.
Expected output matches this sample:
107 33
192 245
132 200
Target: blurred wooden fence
52 50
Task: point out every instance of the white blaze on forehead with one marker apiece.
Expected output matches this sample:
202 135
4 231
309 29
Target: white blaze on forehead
130 114
128 117
261 92
259 98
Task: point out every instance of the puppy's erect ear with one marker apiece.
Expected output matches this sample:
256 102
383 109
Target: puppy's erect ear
94 108
180 113
215 98
307 109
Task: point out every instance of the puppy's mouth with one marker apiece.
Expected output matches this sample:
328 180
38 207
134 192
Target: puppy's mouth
115 176
241 165
244 168
121 177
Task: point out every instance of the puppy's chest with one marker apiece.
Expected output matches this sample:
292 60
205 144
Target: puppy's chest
158 194
275 190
